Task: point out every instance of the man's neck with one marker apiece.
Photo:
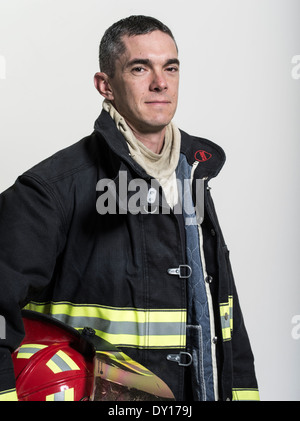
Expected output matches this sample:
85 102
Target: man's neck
152 141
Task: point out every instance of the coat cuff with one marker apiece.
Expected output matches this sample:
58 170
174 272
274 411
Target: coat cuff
245 394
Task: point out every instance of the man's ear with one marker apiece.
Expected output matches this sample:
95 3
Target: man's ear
101 82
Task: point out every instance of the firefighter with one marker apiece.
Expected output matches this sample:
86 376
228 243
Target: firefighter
151 274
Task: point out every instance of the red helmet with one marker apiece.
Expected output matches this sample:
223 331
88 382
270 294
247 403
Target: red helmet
53 362
58 363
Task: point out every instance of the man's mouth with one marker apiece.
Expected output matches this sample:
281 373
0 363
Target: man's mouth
158 102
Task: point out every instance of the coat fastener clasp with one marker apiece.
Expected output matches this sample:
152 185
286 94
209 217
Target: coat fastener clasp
183 358
183 271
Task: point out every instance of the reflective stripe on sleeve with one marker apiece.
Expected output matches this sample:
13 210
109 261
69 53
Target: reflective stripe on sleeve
245 395
8 395
226 314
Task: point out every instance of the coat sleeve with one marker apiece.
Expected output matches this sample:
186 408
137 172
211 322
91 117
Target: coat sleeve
32 235
244 385
237 374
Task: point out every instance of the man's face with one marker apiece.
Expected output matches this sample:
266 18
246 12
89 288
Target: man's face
145 83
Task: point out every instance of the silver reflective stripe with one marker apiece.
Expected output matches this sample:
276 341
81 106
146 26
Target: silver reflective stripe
63 395
61 364
128 328
133 327
28 350
59 396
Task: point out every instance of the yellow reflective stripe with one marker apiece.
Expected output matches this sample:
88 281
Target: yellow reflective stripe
230 300
61 362
108 313
8 395
226 314
133 327
64 395
68 360
170 341
39 307
26 351
69 394
245 395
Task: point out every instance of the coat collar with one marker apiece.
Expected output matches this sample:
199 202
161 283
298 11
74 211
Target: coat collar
210 156
116 142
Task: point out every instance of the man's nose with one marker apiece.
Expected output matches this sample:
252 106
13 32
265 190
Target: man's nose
159 82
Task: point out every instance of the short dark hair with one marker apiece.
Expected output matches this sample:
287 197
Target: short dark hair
112 46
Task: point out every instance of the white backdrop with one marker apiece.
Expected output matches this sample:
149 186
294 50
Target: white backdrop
240 87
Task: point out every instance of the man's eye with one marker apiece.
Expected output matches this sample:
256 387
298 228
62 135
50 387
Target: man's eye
172 69
138 69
